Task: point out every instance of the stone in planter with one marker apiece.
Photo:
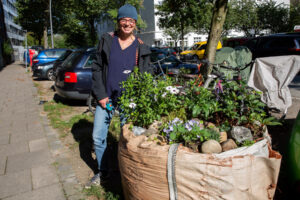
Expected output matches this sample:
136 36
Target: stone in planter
138 130
228 145
211 146
223 136
241 134
212 126
155 125
150 131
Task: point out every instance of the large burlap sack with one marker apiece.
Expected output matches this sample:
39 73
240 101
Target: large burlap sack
143 167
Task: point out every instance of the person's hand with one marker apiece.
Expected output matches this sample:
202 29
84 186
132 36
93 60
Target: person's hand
103 102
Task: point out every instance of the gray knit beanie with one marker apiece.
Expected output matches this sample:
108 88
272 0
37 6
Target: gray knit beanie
127 11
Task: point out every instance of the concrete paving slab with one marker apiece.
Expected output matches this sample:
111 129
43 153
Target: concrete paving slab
53 192
4 139
28 160
15 183
13 149
39 144
70 186
24 136
43 176
3 160
5 129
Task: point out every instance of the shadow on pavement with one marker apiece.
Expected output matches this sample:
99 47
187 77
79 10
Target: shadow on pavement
69 102
82 133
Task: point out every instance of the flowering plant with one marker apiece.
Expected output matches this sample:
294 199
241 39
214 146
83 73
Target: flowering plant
145 99
192 131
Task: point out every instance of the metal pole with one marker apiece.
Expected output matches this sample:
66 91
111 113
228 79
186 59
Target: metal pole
26 47
50 3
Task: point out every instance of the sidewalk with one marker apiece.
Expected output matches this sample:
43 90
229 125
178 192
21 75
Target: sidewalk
32 164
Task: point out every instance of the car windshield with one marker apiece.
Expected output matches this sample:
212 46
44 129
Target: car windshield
194 47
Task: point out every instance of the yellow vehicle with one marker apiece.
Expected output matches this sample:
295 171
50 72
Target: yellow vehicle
196 51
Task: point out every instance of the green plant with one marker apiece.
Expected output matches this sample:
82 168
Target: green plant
247 143
200 102
191 131
145 99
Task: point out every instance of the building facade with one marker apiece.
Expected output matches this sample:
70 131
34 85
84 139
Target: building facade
14 31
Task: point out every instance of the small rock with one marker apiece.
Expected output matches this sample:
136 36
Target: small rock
212 126
228 145
152 137
241 134
155 125
161 138
223 136
211 146
138 130
150 131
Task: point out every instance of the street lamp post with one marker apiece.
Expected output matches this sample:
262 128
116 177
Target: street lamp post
26 47
50 5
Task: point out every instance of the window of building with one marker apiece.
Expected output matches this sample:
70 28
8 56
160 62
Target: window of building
197 39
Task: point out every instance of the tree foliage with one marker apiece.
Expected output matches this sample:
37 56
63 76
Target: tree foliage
273 17
177 14
75 19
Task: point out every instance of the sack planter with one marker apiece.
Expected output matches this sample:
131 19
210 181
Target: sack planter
152 171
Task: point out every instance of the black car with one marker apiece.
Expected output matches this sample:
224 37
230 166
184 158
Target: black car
46 70
74 77
275 45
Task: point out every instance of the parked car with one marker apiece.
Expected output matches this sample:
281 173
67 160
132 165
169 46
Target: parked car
36 49
74 77
275 45
169 63
169 50
46 70
157 54
48 55
179 49
237 41
196 52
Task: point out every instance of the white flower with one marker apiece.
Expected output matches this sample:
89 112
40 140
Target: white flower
169 88
132 105
155 97
174 91
164 95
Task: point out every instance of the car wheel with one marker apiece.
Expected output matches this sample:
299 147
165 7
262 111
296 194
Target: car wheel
92 103
50 74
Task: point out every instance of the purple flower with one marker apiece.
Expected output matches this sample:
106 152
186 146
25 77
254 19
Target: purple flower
176 120
188 126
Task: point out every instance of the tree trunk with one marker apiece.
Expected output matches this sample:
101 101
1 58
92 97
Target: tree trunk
45 37
217 22
92 31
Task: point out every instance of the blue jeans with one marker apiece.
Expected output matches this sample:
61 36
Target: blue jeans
101 125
